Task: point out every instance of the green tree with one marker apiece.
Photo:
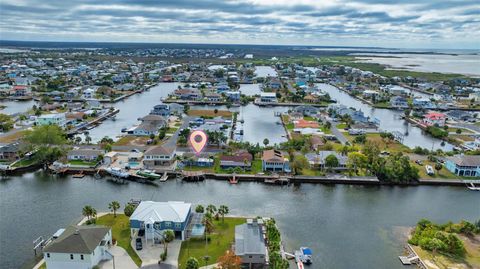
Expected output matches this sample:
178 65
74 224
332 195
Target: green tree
223 210
192 263
299 163
211 209
89 212
356 160
6 122
114 206
331 161
168 237
266 141
199 209
128 210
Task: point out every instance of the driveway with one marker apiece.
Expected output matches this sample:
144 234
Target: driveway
150 254
121 258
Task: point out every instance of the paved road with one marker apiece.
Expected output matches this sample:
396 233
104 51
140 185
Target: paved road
473 127
338 134
172 141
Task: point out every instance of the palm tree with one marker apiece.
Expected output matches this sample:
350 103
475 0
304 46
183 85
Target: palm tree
211 209
88 139
168 237
223 210
266 141
208 223
87 211
114 206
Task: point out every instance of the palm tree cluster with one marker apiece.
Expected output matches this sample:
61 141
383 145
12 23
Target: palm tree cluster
89 212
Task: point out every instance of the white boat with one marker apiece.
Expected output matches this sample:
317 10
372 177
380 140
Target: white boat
429 170
471 185
118 172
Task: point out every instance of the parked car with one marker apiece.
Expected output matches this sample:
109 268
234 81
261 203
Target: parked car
418 162
138 244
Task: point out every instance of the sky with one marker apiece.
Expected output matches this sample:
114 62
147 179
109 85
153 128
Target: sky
448 24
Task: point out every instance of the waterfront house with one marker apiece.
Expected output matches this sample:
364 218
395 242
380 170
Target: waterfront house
317 160
84 154
78 247
191 159
398 102
434 119
156 217
396 90
250 244
233 96
187 94
423 103
464 165
9 152
20 90
306 110
370 94
460 115
274 83
310 98
89 93
150 125
161 110
276 161
213 97
241 159
268 97
159 156
49 119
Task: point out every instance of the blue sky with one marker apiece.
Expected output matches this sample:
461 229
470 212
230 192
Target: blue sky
384 23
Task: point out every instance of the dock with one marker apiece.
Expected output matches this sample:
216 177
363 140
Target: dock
412 258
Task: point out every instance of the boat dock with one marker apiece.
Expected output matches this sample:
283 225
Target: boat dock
412 258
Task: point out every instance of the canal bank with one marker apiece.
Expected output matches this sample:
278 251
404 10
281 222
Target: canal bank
338 221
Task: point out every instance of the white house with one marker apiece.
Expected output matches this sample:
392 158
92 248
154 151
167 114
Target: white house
78 247
52 119
89 93
268 97
159 156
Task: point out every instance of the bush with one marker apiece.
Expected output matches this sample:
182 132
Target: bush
164 254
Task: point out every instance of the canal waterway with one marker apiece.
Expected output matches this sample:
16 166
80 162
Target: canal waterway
13 107
346 226
132 108
390 120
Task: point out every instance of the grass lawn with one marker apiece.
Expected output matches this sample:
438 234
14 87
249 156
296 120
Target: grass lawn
210 113
393 146
130 140
121 232
172 130
465 138
464 131
256 168
341 126
8 138
290 126
221 240
312 172
471 259
24 162
442 174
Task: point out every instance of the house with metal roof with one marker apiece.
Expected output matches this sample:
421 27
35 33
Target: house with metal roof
464 165
78 247
250 244
156 217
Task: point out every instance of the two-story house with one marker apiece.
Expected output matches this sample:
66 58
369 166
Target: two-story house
274 160
464 165
52 119
159 156
78 247
250 244
155 217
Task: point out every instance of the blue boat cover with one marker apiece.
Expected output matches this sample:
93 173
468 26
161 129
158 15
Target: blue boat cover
307 251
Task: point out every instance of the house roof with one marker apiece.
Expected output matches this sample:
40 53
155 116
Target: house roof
240 157
159 150
306 124
249 239
78 239
466 160
150 211
273 155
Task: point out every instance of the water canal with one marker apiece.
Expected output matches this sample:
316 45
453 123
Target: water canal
390 120
346 226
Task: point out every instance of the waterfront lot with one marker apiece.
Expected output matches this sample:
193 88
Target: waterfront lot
220 241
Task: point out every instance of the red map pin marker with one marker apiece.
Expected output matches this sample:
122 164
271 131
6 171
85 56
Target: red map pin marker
198 140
